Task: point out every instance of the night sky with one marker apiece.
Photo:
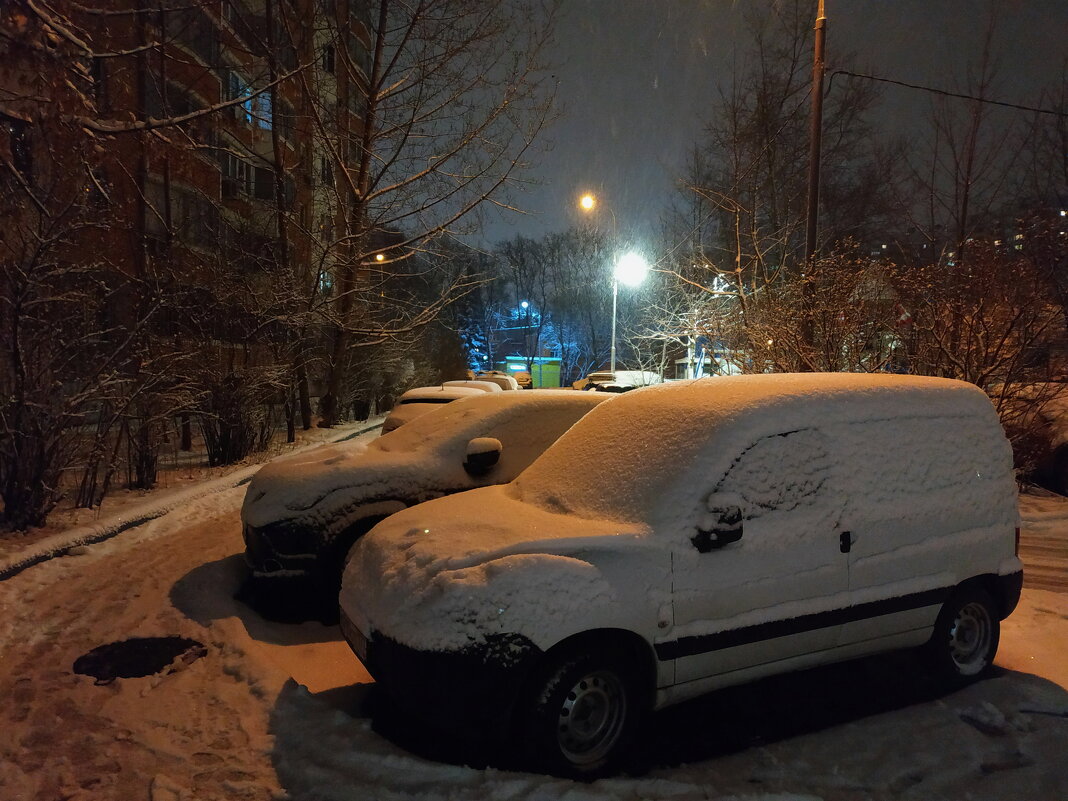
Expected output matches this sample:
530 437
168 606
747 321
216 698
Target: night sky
637 79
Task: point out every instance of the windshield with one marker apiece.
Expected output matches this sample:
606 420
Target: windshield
618 461
452 422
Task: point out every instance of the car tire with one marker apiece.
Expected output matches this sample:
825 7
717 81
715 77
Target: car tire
966 635
583 715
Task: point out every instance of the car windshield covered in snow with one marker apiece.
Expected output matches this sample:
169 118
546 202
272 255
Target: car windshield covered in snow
469 416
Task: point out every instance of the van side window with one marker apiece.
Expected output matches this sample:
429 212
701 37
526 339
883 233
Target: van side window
916 467
779 473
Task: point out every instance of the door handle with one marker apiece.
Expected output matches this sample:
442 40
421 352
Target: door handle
845 541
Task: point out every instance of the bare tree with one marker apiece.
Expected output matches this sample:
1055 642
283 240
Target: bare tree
75 357
451 98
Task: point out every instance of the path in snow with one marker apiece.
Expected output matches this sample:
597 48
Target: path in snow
1044 540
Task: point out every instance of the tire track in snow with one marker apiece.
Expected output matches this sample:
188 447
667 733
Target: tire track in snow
1043 545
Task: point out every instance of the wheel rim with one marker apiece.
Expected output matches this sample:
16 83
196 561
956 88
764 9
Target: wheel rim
970 637
591 717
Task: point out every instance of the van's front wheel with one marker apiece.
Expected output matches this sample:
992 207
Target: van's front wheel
583 716
966 635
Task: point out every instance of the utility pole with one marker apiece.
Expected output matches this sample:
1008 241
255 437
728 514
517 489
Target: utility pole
815 134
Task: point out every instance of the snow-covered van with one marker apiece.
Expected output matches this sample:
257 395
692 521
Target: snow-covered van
729 528
302 514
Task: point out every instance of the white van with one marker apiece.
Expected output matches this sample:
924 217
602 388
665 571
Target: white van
730 528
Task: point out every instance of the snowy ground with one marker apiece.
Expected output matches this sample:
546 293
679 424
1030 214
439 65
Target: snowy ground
236 725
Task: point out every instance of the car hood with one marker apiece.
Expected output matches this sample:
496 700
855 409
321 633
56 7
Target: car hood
448 573
329 479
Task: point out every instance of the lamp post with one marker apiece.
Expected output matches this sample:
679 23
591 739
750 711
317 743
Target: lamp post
631 270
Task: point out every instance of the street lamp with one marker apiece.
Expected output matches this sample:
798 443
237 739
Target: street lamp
631 270
588 201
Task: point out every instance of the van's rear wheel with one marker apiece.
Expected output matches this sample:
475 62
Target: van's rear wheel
966 635
583 715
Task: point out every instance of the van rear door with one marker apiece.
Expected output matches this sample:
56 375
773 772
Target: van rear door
923 498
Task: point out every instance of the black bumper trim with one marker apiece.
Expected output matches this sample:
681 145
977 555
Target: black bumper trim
691 646
1008 591
479 682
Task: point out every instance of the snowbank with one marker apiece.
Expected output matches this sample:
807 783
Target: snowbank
137 514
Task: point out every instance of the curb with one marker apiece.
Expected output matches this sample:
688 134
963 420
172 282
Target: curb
59 544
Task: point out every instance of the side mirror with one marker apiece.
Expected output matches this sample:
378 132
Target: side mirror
721 526
482 454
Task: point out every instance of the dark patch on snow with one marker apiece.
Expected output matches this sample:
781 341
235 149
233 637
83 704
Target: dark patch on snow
296 600
138 656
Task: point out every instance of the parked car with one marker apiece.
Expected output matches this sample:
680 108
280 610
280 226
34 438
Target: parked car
503 380
485 386
420 400
619 381
301 515
729 528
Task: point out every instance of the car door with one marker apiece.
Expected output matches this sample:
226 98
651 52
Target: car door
772 593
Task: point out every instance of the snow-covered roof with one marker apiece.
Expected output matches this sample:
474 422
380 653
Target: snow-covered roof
440 393
621 458
485 386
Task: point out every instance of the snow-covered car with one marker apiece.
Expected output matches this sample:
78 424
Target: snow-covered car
301 515
730 528
503 380
619 381
485 386
418 401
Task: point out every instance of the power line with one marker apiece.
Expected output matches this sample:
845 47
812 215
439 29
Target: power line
945 93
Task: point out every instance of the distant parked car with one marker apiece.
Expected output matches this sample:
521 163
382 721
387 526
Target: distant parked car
503 380
619 381
728 529
484 385
420 400
301 515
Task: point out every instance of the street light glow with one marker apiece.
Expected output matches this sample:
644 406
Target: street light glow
631 269
587 202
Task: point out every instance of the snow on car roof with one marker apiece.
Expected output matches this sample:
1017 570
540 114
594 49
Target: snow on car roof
619 461
438 393
485 386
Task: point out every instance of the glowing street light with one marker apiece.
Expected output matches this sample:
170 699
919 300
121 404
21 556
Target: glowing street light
631 270
587 202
